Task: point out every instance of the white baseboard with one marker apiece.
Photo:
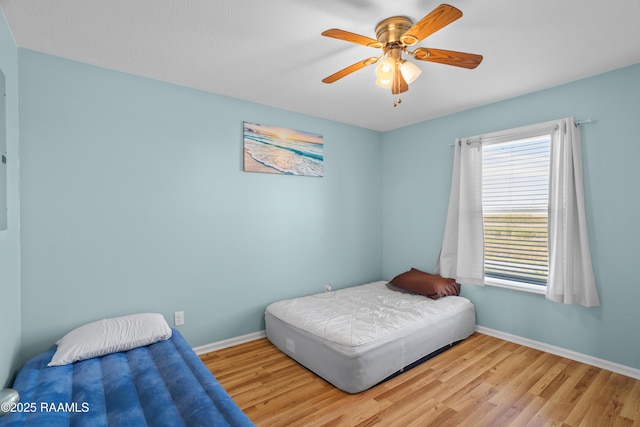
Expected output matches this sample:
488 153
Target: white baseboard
219 345
563 352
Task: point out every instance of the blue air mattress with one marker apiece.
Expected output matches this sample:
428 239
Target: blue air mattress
162 384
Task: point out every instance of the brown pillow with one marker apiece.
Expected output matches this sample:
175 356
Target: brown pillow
430 285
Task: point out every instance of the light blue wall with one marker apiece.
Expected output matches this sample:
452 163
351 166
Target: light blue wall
10 238
134 199
417 174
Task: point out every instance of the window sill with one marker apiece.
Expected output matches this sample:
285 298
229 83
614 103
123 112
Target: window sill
523 287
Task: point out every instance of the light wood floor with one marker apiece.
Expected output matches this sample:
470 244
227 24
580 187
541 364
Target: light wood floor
483 381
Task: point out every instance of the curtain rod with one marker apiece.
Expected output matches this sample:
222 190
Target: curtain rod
576 122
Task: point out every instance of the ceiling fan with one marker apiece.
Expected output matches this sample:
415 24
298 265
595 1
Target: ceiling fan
394 35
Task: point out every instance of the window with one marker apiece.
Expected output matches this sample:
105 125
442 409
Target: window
515 196
516 215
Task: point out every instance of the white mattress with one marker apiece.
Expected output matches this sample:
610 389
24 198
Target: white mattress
356 337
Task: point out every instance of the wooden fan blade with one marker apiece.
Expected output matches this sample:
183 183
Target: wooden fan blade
438 18
350 69
448 57
399 84
352 37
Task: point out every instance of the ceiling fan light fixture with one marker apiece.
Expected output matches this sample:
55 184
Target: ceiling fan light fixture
410 71
384 72
385 68
384 83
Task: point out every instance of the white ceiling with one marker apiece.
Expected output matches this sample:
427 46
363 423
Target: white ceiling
271 52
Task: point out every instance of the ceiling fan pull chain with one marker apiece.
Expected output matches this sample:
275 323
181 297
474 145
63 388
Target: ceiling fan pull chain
396 102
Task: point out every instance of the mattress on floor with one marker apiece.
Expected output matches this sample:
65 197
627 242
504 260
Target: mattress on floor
356 337
162 384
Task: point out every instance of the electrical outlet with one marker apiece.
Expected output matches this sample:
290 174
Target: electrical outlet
178 318
327 287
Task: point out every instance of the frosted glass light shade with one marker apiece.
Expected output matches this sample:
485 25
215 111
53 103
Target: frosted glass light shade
410 71
384 83
384 72
385 67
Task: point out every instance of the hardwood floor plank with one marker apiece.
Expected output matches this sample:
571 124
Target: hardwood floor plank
588 398
631 408
483 381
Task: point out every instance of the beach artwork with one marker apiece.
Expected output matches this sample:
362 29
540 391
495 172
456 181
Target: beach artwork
278 150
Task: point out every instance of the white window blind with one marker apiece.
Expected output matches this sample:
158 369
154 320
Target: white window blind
515 194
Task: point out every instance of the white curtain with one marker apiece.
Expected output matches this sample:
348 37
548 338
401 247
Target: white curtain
462 253
571 278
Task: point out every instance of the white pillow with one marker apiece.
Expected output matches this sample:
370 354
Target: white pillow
110 336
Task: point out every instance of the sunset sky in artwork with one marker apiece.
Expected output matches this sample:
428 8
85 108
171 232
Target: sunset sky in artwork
284 133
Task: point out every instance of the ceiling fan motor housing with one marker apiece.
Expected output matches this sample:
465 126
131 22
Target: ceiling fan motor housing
391 29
